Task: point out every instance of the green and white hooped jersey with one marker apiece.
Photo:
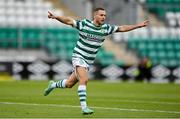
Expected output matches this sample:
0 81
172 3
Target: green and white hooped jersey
91 39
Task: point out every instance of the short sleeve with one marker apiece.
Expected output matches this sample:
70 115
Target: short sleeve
78 24
112 29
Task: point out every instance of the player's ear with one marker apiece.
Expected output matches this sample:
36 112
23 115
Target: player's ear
94 14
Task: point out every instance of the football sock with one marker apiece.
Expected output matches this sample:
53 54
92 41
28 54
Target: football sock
60 84
82 95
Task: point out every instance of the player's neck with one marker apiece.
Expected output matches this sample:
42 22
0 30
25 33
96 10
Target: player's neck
96 23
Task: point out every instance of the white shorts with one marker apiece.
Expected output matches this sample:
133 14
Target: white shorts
76 61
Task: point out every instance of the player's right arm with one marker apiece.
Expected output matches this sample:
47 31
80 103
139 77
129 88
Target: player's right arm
63 19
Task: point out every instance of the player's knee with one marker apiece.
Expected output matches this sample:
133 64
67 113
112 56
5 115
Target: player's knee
83 81
69 85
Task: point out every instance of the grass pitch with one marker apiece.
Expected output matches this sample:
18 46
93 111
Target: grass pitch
109 100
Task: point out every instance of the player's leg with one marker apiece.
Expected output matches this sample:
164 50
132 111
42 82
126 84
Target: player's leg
82 75
65 83
72 80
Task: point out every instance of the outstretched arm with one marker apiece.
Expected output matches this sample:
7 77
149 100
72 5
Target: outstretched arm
63 19
125 28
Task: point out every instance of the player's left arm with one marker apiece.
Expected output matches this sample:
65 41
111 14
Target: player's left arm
125 28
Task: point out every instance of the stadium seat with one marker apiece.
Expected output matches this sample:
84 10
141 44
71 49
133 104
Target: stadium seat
32 37
165 10
21 13
164 51
8 37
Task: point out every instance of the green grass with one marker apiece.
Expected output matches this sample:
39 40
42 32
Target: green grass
25 99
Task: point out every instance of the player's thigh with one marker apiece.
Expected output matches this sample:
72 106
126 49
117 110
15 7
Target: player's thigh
82 74
72 80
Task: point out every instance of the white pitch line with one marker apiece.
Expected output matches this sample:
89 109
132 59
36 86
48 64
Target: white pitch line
121 100
141 101
104 108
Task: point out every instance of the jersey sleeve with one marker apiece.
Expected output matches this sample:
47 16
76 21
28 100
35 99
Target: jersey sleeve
78 24
112 29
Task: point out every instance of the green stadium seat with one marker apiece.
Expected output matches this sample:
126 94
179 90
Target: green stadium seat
171 54
161 7
164 62
173 62
151 45
152 54
143 53
162 54
32 37
160 46
8 37
120 62
155 61
177 45
178 54
142 46
58 42
164 51
107 58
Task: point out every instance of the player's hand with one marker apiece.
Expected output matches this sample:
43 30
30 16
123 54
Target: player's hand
144 23
51 16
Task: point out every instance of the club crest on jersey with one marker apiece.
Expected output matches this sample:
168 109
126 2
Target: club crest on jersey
103 31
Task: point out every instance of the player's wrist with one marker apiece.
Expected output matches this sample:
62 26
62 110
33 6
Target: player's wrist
139 26
54 17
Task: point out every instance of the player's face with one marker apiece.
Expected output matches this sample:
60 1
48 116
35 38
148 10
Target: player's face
100 16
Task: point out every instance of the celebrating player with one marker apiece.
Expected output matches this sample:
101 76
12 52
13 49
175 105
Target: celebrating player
91 37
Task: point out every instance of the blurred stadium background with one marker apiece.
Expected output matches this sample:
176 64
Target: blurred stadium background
32 47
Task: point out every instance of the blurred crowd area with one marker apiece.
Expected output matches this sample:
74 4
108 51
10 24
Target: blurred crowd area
26 34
